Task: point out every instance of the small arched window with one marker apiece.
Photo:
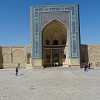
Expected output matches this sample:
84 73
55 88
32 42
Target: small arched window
47 42
63 42
55 42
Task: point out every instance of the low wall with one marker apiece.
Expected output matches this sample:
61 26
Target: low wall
91 53
10 56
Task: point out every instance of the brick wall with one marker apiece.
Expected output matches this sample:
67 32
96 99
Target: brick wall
91 53
10 56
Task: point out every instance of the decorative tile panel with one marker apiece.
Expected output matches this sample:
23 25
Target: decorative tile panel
72 24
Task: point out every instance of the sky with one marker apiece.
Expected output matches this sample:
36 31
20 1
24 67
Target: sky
15 20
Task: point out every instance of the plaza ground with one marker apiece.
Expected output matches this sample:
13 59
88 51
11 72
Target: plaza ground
50 84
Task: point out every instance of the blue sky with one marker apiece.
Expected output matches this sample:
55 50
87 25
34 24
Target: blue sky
15 20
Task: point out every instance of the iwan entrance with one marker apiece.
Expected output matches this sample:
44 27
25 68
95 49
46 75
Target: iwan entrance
54 43
55 36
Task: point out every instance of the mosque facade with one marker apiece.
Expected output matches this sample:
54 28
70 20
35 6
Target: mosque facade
55 41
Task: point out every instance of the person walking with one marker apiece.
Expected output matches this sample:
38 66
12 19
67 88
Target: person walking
89 65
85 67
18 67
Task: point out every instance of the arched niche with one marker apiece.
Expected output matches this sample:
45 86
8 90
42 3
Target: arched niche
18 56
28 58
7 58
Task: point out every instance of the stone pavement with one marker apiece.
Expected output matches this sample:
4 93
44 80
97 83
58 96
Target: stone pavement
50 84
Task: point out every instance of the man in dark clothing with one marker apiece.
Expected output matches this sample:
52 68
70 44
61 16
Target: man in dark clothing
18 67
85 67
89 65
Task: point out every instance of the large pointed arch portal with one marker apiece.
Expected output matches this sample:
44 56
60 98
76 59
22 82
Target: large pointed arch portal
55 32
54 42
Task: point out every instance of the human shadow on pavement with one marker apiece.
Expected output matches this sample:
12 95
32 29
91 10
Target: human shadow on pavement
20 75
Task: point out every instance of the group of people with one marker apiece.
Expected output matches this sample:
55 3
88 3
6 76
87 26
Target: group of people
86 65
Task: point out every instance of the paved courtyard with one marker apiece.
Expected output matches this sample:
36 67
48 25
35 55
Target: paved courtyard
50 84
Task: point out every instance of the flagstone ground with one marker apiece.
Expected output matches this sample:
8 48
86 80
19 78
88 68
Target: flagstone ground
50 84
